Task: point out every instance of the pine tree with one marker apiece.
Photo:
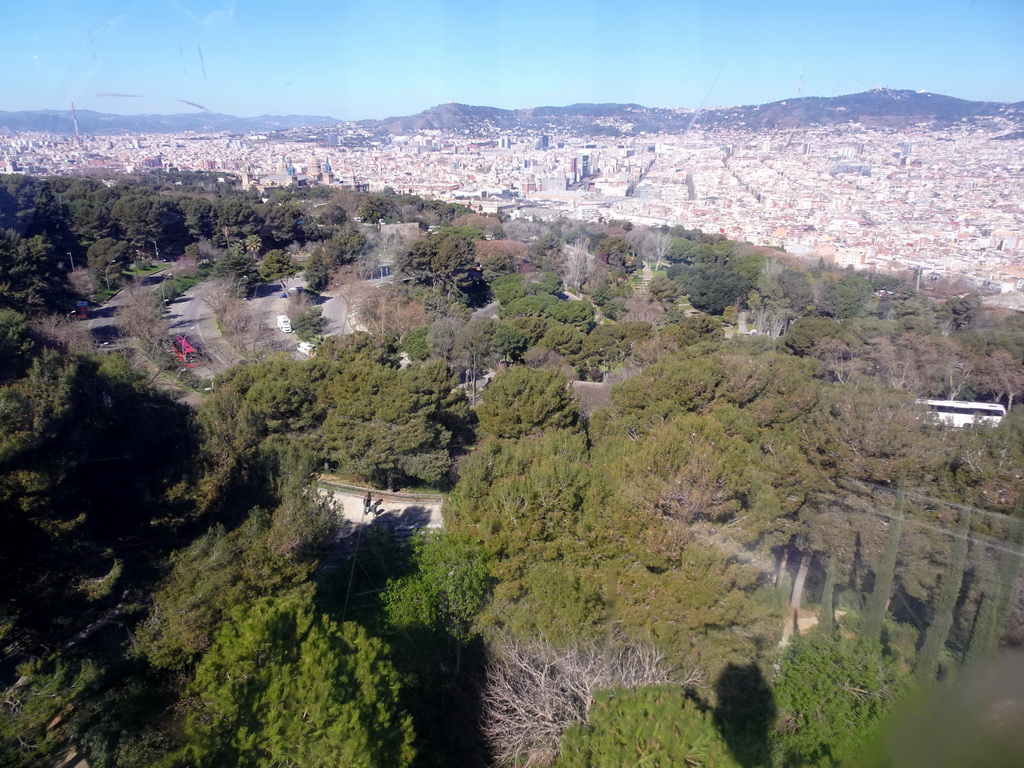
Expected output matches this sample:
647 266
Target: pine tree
995 602
649 726
827 617
885 573
283 687
952 579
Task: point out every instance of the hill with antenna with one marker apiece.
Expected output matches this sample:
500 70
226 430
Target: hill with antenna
877 108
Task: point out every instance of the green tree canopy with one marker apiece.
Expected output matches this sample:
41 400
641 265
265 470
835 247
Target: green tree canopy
832 695
30 273
522 400
239 267
236 218
282 686
199 216
309 324
657 725
713 288
391 426
444 261
276 264
445 588
374 208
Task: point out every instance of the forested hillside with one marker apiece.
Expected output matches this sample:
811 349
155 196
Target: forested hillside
695 512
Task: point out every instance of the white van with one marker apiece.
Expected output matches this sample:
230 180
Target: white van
284 324
307 349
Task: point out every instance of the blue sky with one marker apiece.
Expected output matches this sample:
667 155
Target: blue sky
370 59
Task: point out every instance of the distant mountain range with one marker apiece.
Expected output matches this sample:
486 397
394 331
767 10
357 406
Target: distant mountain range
880 107
58 121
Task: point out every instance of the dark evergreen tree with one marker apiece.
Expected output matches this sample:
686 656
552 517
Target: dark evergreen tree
885 573
930 655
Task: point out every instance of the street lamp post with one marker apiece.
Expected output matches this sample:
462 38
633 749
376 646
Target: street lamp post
72 259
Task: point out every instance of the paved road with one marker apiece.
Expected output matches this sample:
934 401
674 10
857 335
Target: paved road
191 315
337 310
491 310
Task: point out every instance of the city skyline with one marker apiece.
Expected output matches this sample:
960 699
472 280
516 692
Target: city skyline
357 61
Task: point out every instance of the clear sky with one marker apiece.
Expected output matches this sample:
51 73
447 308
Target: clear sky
376 58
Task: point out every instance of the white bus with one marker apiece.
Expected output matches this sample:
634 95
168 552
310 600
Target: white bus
961 413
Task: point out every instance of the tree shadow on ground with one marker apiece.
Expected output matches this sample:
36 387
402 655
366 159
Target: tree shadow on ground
445 681
412 517
745 714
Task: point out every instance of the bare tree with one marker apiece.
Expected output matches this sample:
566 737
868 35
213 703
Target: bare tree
579 263
184 266
82 282
244 328
391 235
772 267
657 245
441 337
895 363
534 691
372 307
142 317
236 319
522 230
208 252
592 395
777 322
1004 375
636 239
71 334
643 309
219 295
366 263
956 364
836 356
768 319
347 284
299 302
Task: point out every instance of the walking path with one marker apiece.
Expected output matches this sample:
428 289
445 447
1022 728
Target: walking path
400 513
403 513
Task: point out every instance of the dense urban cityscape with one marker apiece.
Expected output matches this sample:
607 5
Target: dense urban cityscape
943 201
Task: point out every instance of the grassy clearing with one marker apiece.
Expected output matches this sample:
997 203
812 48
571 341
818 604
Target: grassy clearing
144 269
